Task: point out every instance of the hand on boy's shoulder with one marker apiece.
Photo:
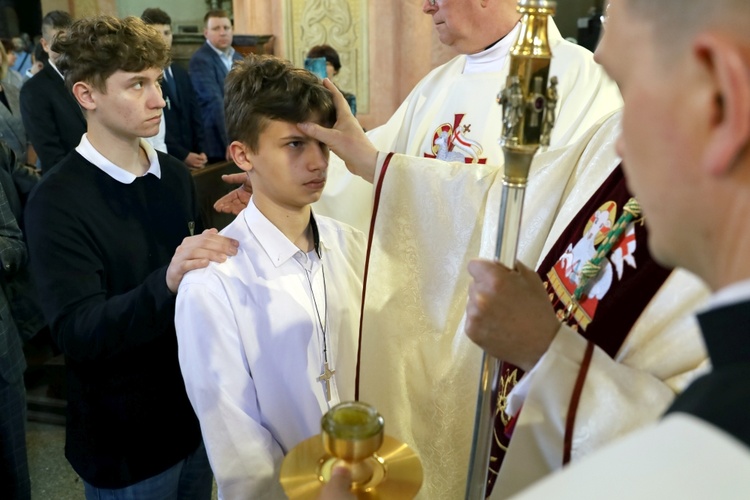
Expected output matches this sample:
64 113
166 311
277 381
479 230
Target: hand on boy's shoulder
197 252
235 201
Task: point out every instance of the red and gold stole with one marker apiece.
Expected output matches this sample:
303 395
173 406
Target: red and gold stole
611 302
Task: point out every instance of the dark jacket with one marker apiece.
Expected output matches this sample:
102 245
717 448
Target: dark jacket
99 253
53 120
207 72
183 116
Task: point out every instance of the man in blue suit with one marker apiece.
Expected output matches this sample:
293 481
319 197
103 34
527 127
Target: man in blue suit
208 68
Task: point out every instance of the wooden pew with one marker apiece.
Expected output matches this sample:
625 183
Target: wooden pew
210 188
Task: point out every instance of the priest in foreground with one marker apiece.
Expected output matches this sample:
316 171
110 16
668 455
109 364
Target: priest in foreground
684 70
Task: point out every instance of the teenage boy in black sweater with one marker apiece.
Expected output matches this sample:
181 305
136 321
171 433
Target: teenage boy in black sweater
110 231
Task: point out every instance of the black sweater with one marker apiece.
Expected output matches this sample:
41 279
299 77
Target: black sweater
722 397
99 253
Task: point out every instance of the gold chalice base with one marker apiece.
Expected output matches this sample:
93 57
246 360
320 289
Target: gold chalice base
397 471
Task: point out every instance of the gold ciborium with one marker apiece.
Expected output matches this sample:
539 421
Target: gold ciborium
352 436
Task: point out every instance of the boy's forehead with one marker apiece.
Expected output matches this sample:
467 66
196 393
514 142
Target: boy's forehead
285 128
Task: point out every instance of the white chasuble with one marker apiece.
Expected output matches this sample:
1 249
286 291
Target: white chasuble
452 115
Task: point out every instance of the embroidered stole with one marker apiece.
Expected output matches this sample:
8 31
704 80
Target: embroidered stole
610 305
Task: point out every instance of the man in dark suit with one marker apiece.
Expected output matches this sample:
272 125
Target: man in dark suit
182 115
208 69
14 469
12 131
53 120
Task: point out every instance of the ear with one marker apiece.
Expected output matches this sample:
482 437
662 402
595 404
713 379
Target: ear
83 92
241 155
730 126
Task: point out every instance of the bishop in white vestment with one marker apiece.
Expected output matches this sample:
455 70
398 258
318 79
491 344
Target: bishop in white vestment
451 115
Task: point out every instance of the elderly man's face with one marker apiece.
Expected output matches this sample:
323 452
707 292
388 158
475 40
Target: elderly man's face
659 142
457 23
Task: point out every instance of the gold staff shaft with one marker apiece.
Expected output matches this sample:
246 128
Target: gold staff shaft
528 117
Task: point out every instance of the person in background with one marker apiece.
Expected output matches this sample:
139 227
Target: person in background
7 59
38 60
112 230
333 66
184 130
23 53
12 130
53 120
14 469
208 69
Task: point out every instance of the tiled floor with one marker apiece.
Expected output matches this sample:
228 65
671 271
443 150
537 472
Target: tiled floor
52 478
51 475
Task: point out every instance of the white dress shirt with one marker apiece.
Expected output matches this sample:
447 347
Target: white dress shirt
227 56
87 150
250 346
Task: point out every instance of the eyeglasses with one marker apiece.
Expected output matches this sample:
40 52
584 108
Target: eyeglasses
433 2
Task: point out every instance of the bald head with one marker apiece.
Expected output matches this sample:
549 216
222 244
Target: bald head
676 22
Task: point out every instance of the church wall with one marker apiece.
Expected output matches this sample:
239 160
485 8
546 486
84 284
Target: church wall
184 13
81 8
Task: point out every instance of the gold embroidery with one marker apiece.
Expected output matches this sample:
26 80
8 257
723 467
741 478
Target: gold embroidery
507 383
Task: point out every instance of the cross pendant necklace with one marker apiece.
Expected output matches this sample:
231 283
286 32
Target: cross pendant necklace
326 377
327 374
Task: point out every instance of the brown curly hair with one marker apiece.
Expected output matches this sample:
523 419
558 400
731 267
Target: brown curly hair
263 88
93 49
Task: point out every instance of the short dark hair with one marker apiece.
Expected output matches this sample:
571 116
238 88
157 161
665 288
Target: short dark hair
328 52
156 16
215 13
8 45
55 20
40 55
261 88
93 49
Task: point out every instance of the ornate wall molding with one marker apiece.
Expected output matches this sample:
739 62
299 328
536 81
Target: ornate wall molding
342 24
